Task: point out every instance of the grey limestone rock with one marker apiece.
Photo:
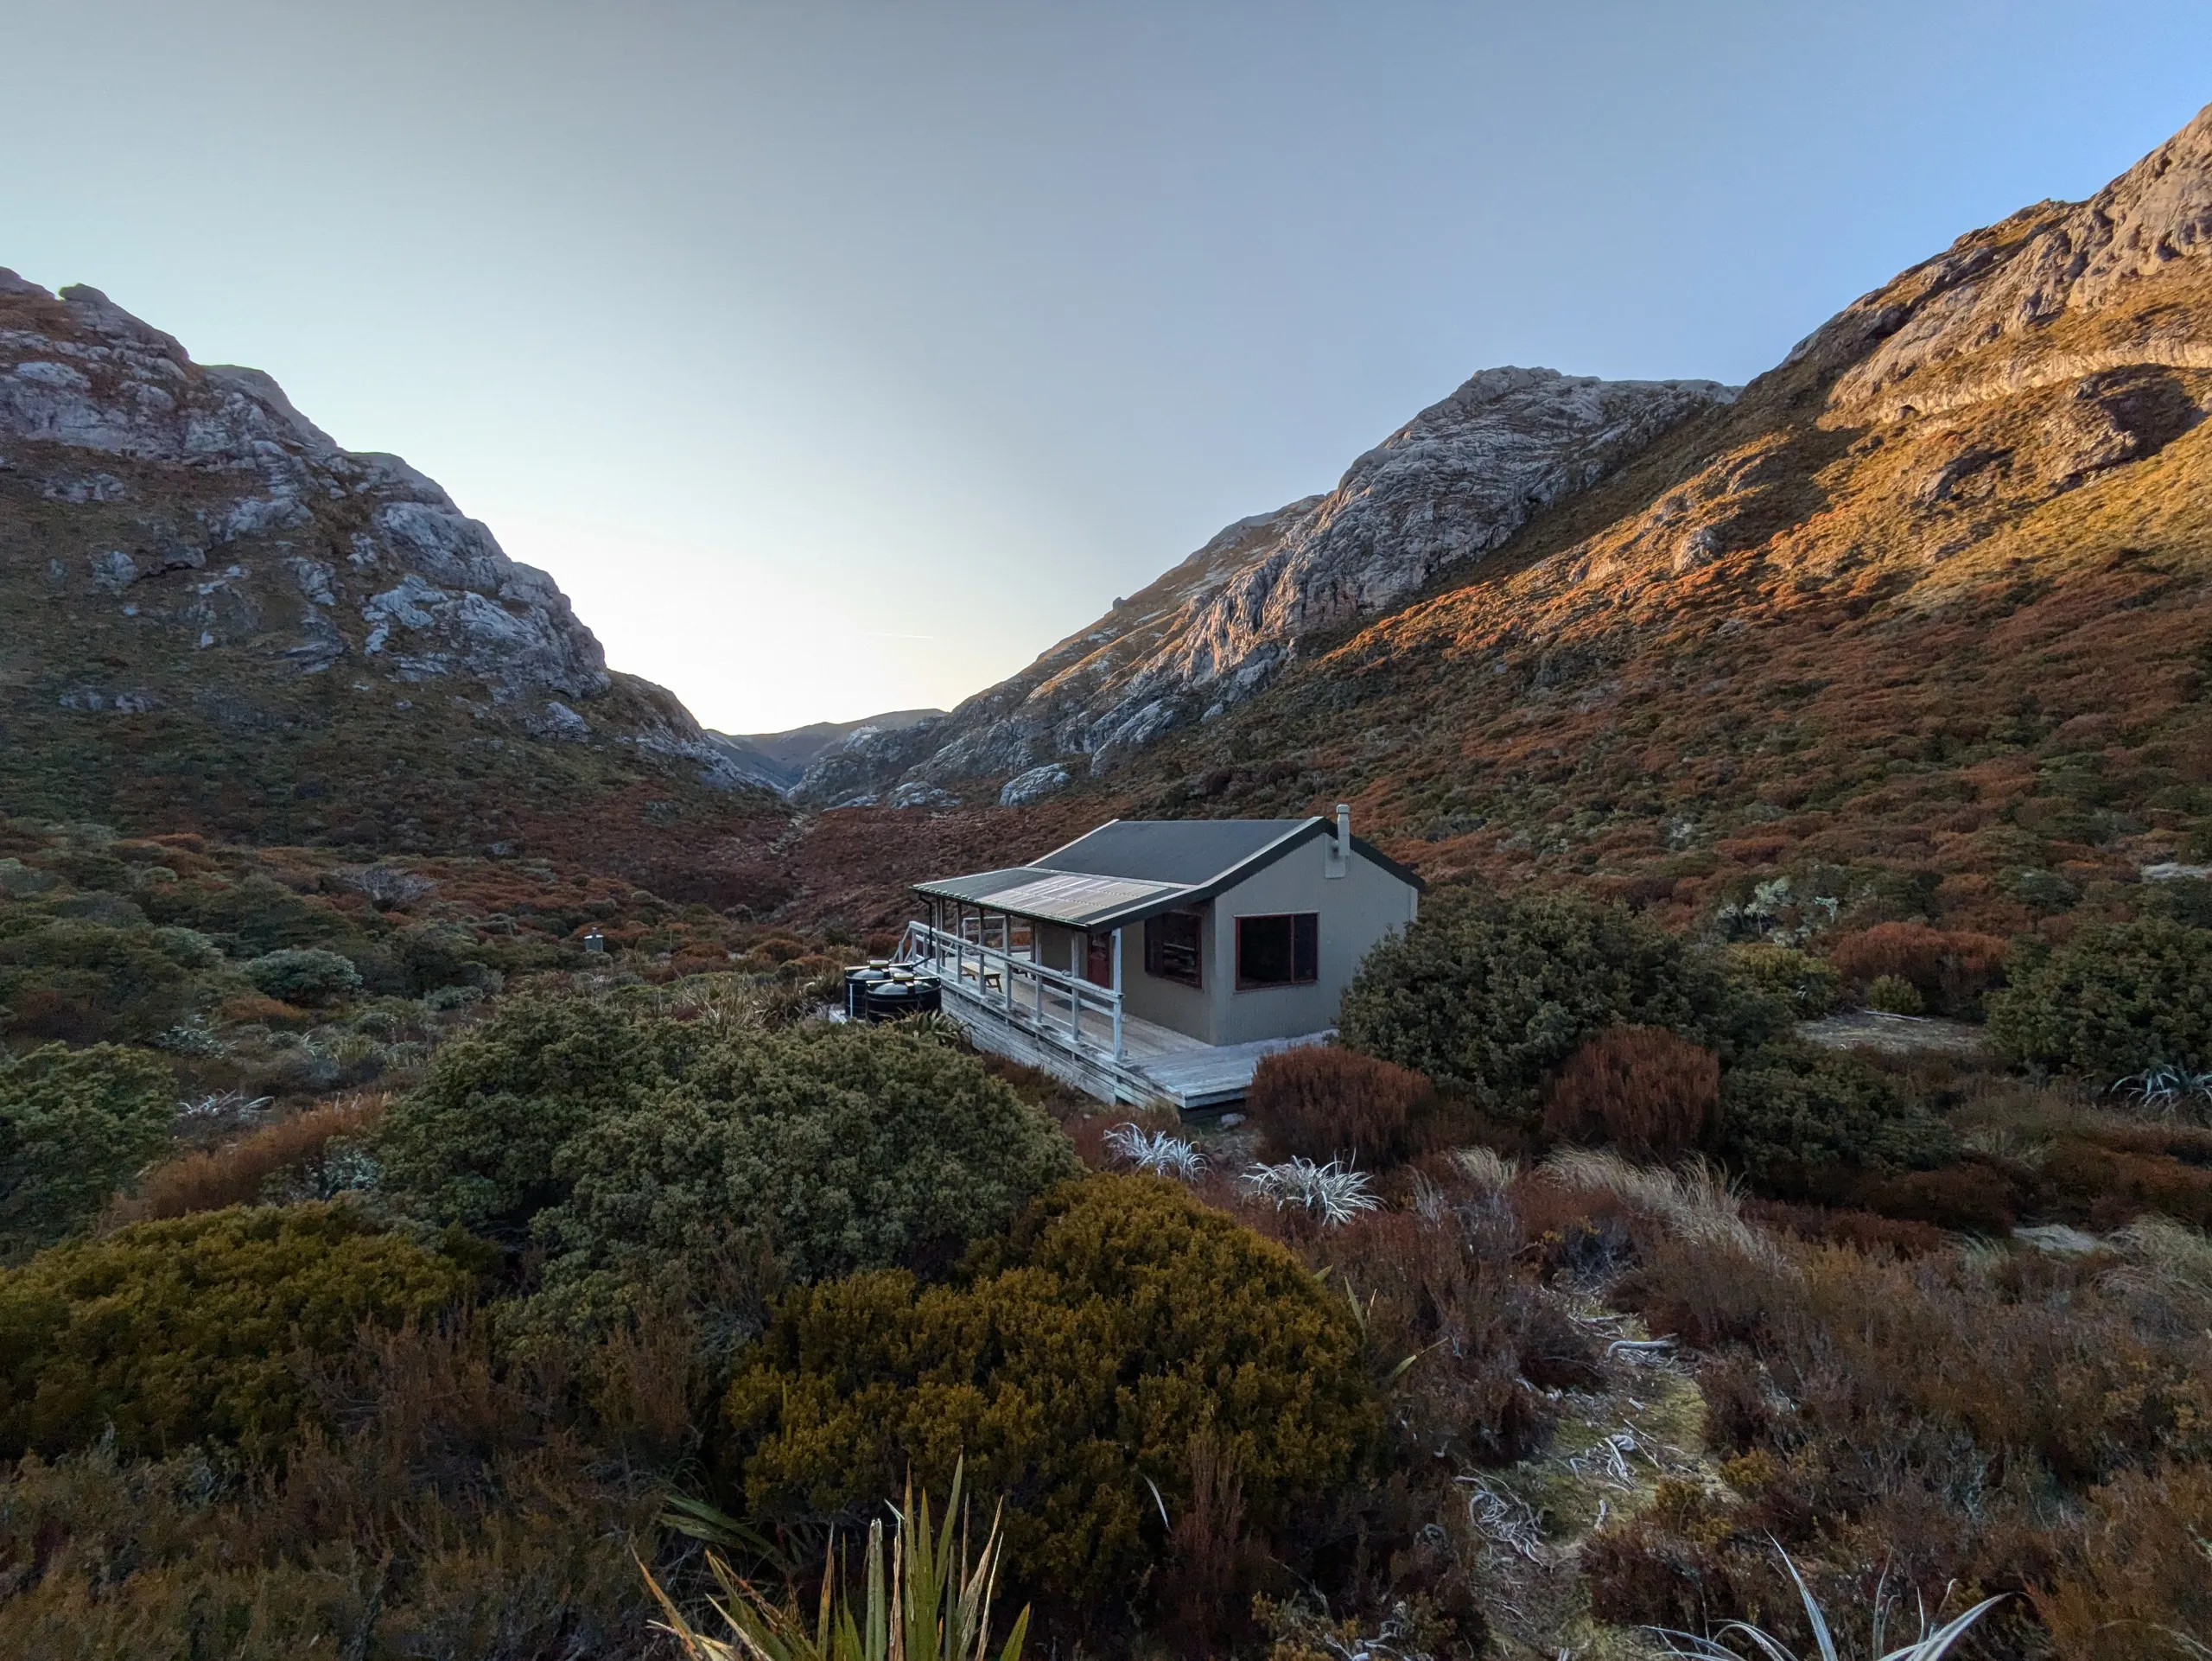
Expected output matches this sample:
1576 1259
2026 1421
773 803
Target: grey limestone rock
374 560
1449 486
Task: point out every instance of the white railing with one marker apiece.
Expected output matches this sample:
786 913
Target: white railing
1063 1008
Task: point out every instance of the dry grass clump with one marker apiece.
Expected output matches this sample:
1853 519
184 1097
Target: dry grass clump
2139 1586
241 1173
1640 1088
1942 1414
1322 1102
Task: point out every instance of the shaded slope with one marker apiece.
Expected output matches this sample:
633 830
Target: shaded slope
217 619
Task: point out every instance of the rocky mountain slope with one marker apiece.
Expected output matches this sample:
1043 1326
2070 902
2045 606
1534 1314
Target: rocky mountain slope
1451 484
219 619
1930 602
784 758
1922 616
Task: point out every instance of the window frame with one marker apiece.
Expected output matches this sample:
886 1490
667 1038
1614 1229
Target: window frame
1294 918
1154 954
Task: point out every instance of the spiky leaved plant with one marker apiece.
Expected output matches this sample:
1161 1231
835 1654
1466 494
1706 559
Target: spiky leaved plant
935 1604
1156 1151
1929 1645
1334 1193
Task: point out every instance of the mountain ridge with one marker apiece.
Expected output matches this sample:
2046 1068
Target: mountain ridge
1450 485
224 620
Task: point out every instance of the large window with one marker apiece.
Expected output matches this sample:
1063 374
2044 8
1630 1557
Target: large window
1171 948
1283 951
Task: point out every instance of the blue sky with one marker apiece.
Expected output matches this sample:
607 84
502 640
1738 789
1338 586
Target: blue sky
840 358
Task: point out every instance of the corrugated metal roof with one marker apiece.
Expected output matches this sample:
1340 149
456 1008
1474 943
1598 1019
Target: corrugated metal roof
1076 899
981 886
1130 869
1189 851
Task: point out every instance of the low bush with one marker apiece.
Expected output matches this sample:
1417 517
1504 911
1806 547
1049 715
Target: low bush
475 1144
1488 995
1974 1196
1802 1121
307 976
2116 998
1071 1362
1950 970
74 1125
2138 1584
1940 1423
195 1329
1639 1088
838 1147
516 1503
1804 983
83 981
1893 995
1321 1103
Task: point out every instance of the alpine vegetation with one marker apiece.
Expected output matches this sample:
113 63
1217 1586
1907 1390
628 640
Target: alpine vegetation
1335 1193
1156 1151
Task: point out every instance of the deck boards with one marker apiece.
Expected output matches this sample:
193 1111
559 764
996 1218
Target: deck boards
1215 1073
1156 1062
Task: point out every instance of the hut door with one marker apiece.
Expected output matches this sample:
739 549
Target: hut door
1099 971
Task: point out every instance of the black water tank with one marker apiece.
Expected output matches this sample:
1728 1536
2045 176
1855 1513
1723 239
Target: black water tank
902 994
857 981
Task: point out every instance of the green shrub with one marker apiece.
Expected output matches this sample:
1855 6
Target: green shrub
1804 984
83 981
257 915
1491 995
74 1125
1072 1363
194 1329
475 1144
840 1147
1799 1120
2116 998
303 975
1894 995
187 948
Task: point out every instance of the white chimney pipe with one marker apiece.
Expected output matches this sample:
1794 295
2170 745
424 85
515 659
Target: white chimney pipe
1343 829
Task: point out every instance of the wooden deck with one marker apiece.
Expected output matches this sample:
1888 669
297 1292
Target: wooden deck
1215 1075
1158 1065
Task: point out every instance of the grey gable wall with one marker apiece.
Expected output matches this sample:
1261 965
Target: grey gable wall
1357 909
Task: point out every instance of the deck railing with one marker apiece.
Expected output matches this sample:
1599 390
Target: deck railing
1050 1001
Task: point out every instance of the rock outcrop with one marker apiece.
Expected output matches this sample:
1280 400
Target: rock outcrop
1454 483
180 544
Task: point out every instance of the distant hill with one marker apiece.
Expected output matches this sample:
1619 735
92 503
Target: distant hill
219 620
1931 599
783 758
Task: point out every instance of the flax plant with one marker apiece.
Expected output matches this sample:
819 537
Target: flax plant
1931 1645
935 1604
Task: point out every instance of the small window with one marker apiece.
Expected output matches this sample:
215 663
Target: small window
1278 950
1171 948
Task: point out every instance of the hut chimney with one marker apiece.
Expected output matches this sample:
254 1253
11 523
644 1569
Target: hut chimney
1340 846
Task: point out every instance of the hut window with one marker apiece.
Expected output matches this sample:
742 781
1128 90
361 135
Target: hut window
1171 948
1283 951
